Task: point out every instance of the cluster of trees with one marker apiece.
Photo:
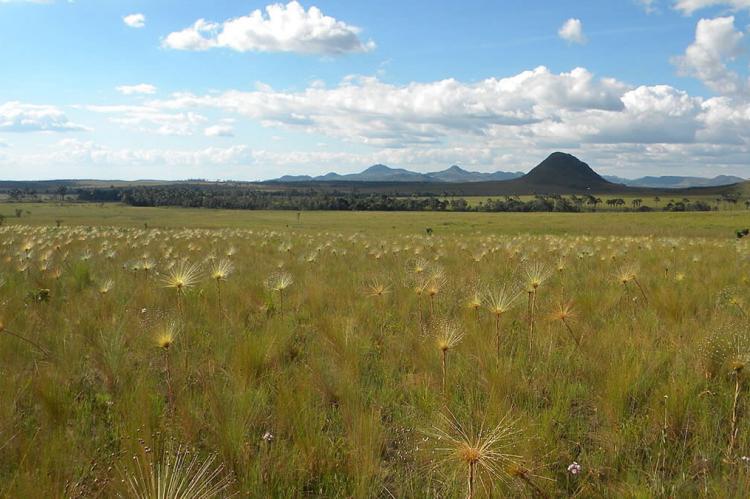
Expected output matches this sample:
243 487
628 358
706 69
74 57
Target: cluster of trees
234 197
686 205
21 194
32 194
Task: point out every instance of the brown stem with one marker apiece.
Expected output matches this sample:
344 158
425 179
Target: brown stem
645 298
497 335
472 472
421 318
531 317
742 310
168 375
528 308
30 342
444 369
570 332
735 415
265 459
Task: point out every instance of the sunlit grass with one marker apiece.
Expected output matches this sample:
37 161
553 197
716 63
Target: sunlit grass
340 362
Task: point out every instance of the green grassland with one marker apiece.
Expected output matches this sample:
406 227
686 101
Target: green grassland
654 201
714 224
646 199
352 355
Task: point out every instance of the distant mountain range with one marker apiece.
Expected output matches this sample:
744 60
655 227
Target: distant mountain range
456 174
383 173
676 182
559 173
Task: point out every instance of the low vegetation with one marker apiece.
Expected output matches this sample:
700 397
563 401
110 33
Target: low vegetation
272 360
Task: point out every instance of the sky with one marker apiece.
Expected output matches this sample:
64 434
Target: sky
249 90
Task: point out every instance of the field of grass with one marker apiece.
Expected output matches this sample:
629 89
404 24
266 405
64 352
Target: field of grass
721 224
715 201
352 355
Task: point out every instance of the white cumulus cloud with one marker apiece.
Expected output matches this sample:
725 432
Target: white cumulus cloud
219 131
21 117
688 7
149 119
369 111
71 151
716 42
572 31
537 109
496 123
141 88
135 20
282 28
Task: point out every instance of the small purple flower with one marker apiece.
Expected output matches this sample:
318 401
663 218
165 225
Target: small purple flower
574 468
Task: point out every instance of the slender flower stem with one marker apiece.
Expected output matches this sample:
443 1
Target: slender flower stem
168 375
497 335
23 338
472 473
735 415
528 307
444 367
570 332
532 309
645 298
742 310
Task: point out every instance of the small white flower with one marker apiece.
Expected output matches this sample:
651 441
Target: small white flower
574 468
268 437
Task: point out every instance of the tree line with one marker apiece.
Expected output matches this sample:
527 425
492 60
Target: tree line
233 197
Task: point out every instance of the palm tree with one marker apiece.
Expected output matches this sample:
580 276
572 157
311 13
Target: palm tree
593 201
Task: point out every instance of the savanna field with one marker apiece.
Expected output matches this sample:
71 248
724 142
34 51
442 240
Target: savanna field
194 353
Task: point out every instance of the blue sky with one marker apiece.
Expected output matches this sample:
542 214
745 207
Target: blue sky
250 90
